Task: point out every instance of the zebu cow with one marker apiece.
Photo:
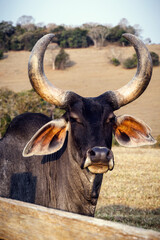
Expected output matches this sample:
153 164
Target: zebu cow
64 159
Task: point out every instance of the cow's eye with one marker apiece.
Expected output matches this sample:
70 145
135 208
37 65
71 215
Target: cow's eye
75 120
72 119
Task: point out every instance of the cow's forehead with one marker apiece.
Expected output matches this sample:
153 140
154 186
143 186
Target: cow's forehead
87 107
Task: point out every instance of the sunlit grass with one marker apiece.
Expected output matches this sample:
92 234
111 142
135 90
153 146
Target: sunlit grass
131 192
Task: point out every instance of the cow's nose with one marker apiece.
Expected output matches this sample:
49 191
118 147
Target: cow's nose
99 157
99 153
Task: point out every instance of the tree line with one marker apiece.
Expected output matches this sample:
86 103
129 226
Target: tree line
25 34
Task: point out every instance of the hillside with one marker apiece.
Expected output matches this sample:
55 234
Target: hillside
90 75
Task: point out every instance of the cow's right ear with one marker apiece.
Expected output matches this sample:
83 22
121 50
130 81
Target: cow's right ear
48 139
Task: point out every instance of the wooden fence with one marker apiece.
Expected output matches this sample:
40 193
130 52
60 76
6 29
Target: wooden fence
24 221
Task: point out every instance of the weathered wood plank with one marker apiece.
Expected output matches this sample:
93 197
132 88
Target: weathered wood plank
19 220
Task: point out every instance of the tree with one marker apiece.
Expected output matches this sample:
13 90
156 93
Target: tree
57 30
115 35
6 31
97 33
26 41
25 20
116 32
71 38
123 23
51 26
40 25
137 30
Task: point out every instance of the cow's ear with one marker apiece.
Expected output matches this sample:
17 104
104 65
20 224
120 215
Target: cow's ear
48 139
132 132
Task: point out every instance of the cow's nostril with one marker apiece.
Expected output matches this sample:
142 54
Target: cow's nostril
92 153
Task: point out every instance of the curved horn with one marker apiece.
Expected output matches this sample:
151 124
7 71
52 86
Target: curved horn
140 81
37 77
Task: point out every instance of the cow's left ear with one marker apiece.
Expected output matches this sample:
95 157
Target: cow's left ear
48 139
132 132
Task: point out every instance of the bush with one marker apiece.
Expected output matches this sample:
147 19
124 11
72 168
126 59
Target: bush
61 60
28 39
115 62
116 32
130 62
1 54
155 58
13 104
23 36
6 32
16 43
72 38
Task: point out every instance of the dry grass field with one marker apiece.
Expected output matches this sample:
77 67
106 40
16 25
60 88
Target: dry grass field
131 192
90 75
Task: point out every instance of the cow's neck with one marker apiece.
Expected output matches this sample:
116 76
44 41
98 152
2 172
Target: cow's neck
67 186
77 189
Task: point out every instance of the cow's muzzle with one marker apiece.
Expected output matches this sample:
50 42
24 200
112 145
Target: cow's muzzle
99 160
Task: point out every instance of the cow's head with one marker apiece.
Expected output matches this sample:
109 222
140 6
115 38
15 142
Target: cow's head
89 122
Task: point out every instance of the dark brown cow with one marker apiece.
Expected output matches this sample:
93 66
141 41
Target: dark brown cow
72 152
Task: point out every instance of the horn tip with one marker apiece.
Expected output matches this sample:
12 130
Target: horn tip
129 36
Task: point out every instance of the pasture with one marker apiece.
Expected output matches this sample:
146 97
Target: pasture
131 192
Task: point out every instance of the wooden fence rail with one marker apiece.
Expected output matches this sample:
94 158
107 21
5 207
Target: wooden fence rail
24 221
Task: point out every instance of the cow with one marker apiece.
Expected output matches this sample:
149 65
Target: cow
59 163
